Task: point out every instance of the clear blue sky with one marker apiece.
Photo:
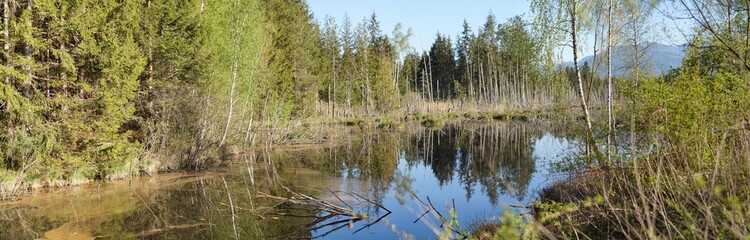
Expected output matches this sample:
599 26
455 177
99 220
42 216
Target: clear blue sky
424 17
428 17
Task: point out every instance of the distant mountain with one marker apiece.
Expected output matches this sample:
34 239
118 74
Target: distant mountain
657 60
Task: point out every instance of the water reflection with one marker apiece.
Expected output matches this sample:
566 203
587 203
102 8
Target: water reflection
497 157
474 168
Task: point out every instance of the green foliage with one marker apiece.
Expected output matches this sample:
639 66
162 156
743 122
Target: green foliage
440 73
86 86
69 85
291 54
692 167
431 121
700 100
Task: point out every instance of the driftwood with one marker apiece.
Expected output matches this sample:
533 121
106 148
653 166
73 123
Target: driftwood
345 212
431 208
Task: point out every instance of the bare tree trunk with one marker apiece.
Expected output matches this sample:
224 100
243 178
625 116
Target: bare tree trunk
150 57
437 88
482 87
248 100
610 117
29 48
573 23
469 86
7 58
407 82
429 68
584 105
363 91
633 135
6 37
231 207
349 94
416 76
594 64
249 125
366 86
231 102
423 94
369 95
425 80
334 86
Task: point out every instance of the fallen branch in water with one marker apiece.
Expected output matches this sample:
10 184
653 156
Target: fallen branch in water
431 208
345 210
305 200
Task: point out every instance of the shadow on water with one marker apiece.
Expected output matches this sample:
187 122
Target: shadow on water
386 183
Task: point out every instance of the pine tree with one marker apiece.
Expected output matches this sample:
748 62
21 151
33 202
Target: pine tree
462 72
442 64
347 69
291 54
331 64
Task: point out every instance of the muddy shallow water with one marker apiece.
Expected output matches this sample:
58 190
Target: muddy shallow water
387 179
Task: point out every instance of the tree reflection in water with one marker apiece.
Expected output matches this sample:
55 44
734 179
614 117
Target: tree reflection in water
496 159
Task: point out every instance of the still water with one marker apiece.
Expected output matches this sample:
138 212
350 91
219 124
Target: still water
388 184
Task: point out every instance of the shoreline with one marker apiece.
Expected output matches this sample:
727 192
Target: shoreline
11 191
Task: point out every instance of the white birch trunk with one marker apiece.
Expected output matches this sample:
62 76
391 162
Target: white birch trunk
231 103
574 30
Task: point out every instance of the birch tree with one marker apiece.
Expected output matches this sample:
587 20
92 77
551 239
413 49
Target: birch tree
727 21
560 20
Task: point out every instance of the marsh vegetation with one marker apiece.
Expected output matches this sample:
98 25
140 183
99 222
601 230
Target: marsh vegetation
210 113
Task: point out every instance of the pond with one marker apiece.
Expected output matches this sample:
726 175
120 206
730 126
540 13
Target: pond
389 184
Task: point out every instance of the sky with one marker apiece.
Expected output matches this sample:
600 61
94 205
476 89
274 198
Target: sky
425 18
428 17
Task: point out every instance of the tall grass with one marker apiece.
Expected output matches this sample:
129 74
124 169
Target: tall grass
689 178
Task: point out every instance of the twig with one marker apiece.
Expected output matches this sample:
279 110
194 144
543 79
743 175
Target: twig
333 230
372 223
420 200
420 216
333 210
442 219
374 203
342 201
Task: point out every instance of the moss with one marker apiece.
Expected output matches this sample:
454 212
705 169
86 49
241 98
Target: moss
451 115
499 116
522 118
432 122
386 123
350 121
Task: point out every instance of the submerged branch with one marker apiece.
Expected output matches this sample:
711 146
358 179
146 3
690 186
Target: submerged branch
333 210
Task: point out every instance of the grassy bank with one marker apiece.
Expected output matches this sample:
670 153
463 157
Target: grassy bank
671 193
307 132
675 192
